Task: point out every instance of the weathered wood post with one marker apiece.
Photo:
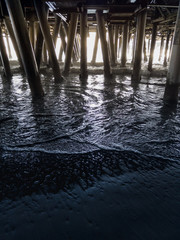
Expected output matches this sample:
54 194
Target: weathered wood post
144 50
166 48
63 41
102 35
31 31
8 45
70 42
120 42
83 32
45 56
161 47
13 39
95 48
153 43
39 46
4 56
173 76
56 29
42 16
116 33
124 44
19 26
60 54
111 44
140 33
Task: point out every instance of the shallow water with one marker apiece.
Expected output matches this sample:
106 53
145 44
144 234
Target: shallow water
99 115
80 132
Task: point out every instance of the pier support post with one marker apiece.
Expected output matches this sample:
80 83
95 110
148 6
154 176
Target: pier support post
4 56
145 50
116 33
124 44
17 18
141 23
173 76
56 29
153 43
42 16
95 48
13 39
60 54
31 32
120 42
111 44
83 32
70 42
63 39
161 47
8 45
39 46
166 48
102 35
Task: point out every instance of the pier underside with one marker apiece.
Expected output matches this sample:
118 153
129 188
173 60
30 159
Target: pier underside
89 120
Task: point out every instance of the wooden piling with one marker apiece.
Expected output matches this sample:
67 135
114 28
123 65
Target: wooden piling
56 29
140 33
173 76
145 50
120 42
31 32
161 47
19 26
111 44
95 48
124 44
102 35
70 42
8 45
39 46
116 34
13 39
63 38
153 43
83 32
4 56
42 16
166 48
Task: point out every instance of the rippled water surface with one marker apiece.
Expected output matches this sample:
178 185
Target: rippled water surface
75 118
77 133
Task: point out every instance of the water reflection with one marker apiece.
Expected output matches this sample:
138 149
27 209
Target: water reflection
96 115
78 132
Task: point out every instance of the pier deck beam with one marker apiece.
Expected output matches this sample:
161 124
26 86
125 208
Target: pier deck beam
17 18
173 76
42 16
153 43
102 35
83 32
70 42
4 56
141 23
93 61
124 44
